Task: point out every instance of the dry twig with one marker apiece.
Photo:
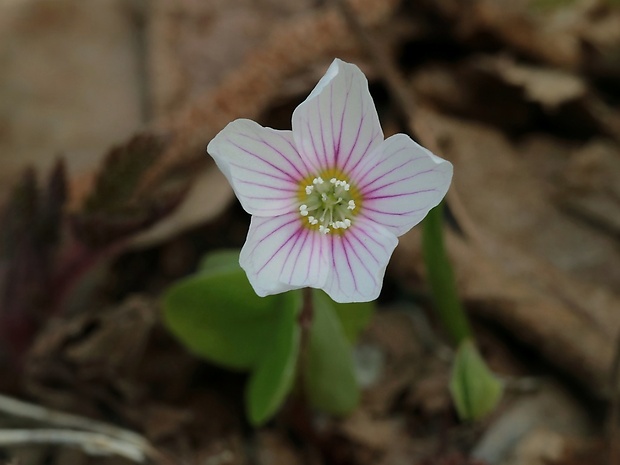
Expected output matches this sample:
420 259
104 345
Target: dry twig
90 443
98 437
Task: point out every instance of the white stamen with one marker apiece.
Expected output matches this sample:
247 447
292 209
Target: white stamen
328 206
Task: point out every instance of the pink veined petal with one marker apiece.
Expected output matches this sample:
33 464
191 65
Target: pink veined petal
261 164
358 261
281 254
337 125
402 186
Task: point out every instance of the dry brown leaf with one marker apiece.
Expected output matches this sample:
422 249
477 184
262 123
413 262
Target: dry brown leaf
471 88
78 362
370 432
591 185
208 197
540 447
549 87
583 178
504 200
516 97
549 38
537 272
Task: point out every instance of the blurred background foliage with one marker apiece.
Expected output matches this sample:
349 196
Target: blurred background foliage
521 96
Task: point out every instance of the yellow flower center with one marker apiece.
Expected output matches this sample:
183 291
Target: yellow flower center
328 202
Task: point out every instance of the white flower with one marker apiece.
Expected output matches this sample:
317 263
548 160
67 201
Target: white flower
329 198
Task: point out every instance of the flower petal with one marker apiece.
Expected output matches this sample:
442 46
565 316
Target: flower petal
337 124
262 165
403 185
281 254
359 257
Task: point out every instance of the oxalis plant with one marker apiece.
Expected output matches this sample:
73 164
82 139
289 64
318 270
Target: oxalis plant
328 200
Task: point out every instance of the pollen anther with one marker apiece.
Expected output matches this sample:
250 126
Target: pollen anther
328 205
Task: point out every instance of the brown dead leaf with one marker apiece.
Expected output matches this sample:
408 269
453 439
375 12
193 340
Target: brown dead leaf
549 38
539 273
91 358
540 447
547 86
516 97
582 178
591 184
369 432
209 195
504 200
469 88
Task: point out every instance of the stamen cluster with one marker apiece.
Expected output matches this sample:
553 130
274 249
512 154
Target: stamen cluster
329 205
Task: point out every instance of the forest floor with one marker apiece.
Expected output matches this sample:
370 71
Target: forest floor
523 97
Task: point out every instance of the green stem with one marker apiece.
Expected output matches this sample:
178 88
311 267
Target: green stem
306 315
441 278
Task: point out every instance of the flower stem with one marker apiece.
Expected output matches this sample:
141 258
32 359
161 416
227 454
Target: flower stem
299 413
307 311
305 324
441 278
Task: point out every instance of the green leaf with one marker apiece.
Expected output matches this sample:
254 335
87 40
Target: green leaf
220 260
353 317
329 374
218 316
273 378
474 388
441 277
